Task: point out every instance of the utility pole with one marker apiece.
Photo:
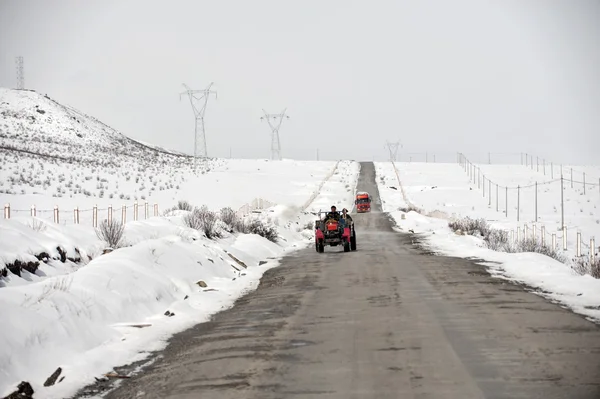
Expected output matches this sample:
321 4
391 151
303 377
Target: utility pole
393 149
275 121
20 74
199 100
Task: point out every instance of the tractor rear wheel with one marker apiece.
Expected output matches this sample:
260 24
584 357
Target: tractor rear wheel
346 246
353 242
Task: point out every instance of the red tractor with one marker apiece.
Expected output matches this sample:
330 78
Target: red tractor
334 232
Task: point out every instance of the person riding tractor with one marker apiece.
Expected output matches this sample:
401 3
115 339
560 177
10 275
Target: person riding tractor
334 214
345 215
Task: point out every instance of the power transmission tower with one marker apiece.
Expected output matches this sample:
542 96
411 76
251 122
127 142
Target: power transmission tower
275 121
199 100
393 148
20 74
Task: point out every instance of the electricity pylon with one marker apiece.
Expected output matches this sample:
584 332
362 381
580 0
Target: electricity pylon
199 100
393 148
275 121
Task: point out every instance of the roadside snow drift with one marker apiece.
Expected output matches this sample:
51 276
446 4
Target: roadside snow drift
90 312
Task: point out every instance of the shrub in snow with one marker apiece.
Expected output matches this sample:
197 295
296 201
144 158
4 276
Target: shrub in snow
111 233
473 227
256 226
532 245
583 266
410 208
37 225
228 216
204 220
183 206
497 240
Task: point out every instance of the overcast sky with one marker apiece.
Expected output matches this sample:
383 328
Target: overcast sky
440 76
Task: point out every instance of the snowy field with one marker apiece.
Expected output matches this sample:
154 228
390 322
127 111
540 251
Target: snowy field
445 192
90 316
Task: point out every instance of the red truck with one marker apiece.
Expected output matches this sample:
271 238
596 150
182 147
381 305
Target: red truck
363 202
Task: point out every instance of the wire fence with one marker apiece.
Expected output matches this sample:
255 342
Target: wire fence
508 200
123 214
548 168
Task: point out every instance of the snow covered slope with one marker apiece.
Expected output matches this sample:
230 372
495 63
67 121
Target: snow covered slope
36 124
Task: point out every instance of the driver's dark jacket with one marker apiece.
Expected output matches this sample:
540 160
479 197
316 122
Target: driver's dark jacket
333 215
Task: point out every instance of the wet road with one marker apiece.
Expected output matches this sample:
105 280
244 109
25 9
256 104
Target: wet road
386 321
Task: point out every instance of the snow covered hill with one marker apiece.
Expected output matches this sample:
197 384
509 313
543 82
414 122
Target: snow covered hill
46 147
36 124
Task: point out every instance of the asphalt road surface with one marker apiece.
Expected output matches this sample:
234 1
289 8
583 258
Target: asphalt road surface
386 321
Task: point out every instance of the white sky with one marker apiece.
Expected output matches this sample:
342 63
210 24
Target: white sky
441 76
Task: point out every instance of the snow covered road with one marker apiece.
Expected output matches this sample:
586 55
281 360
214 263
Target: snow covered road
386 321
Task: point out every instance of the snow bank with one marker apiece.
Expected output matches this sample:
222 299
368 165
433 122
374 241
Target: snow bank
112 310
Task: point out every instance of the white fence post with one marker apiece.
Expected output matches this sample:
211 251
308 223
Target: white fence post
146 210
76 215
109 214
123 214
592 251
543 234
553 241
578 245
6 211
56 218
564 238
33 211
95 216
519 203
518 234
135 211
155 209
525 232
534 232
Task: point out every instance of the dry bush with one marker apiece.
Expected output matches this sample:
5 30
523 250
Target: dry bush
37 225
473 227
409 208
256 226
263 230
532 245
583 266
497 240
183 205
228 216
204 220
111 233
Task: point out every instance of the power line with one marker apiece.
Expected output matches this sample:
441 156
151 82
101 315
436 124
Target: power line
198 101
20 73
275 121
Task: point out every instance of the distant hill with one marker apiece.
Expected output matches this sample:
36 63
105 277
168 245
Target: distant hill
36 124
50 148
